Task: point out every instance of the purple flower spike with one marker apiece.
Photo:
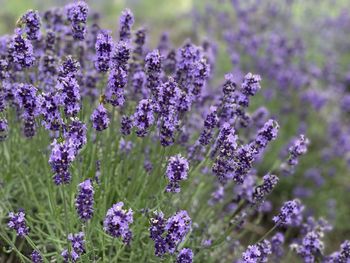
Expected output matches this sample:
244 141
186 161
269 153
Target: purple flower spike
125 23
17 222
261 191
103 46
84 202
62 155
115 88
3 129
77 14
99 118
20 51
290 214
78 247
143 118
185 256
257 253
177 170
177 228
117 221
36 257
32 22
298 149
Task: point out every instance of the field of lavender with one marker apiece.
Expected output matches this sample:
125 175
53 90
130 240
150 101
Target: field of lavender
201 131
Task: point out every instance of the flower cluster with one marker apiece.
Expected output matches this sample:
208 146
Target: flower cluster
177 170
257 253
77 15
84 202
17 222
290 214
77 247
117 221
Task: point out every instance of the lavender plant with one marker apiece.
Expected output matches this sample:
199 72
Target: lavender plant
136 153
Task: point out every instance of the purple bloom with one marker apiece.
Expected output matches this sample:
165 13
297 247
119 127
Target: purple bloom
32 22
78 247
277 245
200 74
185 256
211 121
311 247
125 23
177 170
3 129
20 51
125 125
156 230
153 65
120 55
168 96
168 126
4 74
48 104
266 134
261 191
36 257
117 221
17 222
99 118
62 155
177 227
125 146
115 88
140 40
257 253
297 149
77 134
69 68
290 213
70 95
103 46
84 202
250 86
143 117
77 14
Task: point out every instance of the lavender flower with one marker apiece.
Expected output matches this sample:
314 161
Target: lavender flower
49 104
117 221
211 121
77 134
69 68
99 118
168 96
257 253
84 202
177 170
168 126
311 247
277 245
153 65
125 146
261 191
62 155
156 230
125 125
185 256
120 55
140 39
103 46
17 222
78 247
143 117
115 88
297 149
36 257
32 22
290 214
177 228
20 51
125 23
70 95
77 14
3 129
266 134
